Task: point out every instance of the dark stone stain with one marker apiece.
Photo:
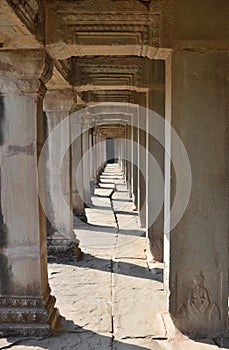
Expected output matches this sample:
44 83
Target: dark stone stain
45 123
6 278
3 232
2 122
3 227
13 150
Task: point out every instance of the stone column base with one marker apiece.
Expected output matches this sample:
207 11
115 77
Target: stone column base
154 251
80 215
88 203
63 249
33 316
92 187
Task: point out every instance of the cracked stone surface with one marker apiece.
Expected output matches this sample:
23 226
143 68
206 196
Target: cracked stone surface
110 300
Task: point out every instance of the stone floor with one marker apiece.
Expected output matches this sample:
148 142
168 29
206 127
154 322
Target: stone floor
110 300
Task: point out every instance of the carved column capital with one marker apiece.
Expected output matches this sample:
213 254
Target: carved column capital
59 100
24 71
22 86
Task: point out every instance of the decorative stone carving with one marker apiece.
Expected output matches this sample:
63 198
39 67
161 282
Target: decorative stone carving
25 76
28 315
84 25
199 303
111 131
98 96
63 250
22 86
107 72
31 13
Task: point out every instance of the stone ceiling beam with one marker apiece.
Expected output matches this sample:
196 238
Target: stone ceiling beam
85 88
106 28
62 51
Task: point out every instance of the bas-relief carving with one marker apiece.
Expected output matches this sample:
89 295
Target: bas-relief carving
199 303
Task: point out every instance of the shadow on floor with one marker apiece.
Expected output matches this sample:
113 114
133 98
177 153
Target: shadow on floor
72 336
117 267
122 212
108 229
123 200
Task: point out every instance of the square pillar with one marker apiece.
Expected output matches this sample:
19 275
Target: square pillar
156 186
62 243
135 174
26 306
86 165
142 156
128 161
77 169
198 262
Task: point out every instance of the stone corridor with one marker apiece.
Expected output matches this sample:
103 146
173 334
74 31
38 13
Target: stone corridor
110 300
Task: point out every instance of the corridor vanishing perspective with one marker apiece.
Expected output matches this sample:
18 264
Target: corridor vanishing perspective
114 174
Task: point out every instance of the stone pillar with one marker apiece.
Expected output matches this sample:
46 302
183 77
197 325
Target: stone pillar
101 155
95 156
92 161
124 150
26 306
132 154
62 243
198 263
128 154
135 159
142 160
157 150
86 165
122 153
116 150
77 170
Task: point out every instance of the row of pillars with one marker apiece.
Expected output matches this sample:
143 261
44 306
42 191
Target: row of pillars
195 250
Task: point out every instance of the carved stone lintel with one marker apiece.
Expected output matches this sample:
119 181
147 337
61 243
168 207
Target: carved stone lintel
28 316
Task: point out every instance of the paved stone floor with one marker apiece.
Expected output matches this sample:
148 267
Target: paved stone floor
110 300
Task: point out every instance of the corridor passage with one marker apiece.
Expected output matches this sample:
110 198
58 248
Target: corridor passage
110 294
110 300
